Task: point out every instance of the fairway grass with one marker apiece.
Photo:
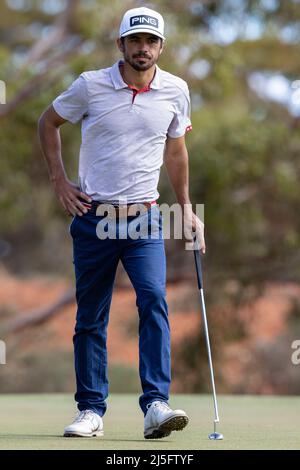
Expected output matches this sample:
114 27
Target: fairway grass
247 422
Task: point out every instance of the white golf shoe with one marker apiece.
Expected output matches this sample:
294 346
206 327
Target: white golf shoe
161 420
86 424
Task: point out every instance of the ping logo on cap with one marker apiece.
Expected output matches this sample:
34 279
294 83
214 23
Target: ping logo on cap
144 19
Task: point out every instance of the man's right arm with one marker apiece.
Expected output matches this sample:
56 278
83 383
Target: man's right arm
67 192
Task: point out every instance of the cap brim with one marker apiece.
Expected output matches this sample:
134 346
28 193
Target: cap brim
143 30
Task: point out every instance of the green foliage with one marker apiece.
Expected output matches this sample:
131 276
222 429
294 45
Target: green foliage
244 157
243 149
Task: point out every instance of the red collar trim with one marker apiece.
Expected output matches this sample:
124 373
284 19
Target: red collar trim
142 90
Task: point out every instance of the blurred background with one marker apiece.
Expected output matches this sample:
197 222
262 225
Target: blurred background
241 61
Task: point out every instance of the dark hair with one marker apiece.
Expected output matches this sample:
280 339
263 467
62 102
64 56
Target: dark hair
123 41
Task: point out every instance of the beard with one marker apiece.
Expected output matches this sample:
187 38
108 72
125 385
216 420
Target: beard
140 63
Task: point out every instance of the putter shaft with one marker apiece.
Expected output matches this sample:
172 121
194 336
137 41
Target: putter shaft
204 317
216 420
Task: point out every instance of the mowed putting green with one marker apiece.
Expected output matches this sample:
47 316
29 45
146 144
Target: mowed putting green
247 422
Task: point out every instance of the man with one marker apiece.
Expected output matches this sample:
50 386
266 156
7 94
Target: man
133 114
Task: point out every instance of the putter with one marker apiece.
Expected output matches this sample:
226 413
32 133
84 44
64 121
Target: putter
215 435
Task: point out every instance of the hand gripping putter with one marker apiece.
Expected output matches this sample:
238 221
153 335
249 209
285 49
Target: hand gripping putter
215 435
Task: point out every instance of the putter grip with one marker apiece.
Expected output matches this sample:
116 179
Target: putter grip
198 268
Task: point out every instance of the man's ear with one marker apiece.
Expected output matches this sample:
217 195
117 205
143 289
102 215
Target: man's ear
120 45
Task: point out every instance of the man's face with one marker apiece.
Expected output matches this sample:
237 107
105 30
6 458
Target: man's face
141 50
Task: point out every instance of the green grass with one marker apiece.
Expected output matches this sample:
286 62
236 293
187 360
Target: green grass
247 422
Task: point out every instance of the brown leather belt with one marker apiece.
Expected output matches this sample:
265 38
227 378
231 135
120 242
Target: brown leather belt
118 210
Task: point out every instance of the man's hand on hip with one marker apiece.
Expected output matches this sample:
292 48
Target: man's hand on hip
69 195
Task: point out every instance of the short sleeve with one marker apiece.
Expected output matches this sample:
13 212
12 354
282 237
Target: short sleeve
72 104
181 123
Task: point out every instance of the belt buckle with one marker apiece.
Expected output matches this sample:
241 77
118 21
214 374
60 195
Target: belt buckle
122 210
131 210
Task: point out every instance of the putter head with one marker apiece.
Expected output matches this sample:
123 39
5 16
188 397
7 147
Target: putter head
215 436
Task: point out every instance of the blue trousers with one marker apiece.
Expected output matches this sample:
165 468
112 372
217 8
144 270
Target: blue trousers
96 260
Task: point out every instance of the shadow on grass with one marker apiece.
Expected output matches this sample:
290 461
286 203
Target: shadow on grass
91 439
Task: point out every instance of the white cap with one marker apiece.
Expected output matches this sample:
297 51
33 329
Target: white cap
142 20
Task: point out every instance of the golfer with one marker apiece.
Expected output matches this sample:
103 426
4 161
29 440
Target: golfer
134 116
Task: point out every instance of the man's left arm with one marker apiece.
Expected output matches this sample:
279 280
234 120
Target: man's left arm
177 165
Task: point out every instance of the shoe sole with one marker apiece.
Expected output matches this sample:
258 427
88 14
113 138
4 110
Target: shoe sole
177 423
79 434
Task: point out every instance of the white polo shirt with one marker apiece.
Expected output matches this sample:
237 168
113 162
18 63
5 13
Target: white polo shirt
124 132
